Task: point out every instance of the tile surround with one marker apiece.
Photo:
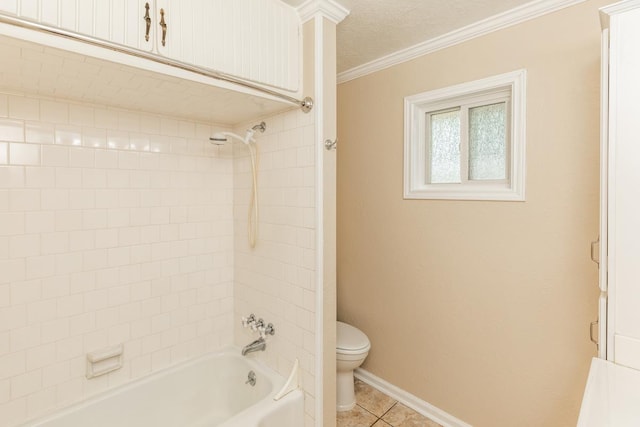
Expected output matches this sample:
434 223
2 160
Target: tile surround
120 226
276 279
129 242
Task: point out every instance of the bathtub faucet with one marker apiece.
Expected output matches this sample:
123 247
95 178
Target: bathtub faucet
258 345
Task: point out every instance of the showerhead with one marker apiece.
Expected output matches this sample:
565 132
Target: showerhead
220 138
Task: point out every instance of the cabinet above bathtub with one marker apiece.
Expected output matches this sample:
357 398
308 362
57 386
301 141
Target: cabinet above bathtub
257 41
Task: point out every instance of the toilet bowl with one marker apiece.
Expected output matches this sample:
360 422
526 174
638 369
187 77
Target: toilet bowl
352 347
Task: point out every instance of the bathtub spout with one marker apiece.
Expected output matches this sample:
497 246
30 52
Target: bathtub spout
258 345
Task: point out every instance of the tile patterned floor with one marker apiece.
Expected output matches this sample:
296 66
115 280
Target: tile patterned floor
374 408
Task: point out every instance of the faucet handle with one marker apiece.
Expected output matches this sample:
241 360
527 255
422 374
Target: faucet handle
248 321
256 325
268 330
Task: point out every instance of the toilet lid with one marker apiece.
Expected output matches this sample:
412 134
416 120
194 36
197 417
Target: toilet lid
350 338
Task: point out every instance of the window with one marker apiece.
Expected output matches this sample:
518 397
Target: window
467 141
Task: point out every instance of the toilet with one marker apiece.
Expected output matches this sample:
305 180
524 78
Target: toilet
352 347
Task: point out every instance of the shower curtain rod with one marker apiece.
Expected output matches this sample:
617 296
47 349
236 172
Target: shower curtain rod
305 104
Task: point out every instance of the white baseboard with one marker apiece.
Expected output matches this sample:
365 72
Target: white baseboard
409 400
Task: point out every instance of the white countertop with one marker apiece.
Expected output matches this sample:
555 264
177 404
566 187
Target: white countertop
612 396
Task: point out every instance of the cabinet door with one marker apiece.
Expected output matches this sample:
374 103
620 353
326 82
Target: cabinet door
215 33
169 24
258 40
264 42
254 39
45 12
9 6
136 33
624 179
118 21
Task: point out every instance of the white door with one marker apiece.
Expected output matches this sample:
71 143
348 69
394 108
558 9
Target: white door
623 188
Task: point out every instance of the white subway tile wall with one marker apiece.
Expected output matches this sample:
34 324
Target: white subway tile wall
115 227
276 280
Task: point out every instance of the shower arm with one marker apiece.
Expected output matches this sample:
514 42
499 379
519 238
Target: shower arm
305 104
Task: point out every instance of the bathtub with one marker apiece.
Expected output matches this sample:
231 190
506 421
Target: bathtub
208 391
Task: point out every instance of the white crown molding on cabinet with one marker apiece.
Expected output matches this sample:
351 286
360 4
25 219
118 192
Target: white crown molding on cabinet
497 22
613 9
330 9
620 7
425 408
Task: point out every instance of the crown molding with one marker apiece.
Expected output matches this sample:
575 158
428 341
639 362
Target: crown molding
620 7
506 19
330 9
613 9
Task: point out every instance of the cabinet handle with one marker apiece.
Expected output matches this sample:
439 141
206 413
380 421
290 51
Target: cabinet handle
593 340
147 19
594 255
164 27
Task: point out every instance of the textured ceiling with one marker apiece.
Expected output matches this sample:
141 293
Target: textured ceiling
376 28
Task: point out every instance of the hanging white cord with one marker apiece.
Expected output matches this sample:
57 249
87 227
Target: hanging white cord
253 219
252 224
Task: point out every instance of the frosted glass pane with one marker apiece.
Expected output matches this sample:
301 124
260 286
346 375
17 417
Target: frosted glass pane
445 147
487 142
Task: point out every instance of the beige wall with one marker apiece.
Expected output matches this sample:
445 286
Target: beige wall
480 308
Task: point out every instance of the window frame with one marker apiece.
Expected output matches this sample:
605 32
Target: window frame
418 107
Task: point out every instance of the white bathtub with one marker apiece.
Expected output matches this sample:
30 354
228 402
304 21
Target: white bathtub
208 391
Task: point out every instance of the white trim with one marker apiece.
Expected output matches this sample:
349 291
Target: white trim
612 215
603 321
503 20
428 410
319 188
331 10
415 108
620 7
